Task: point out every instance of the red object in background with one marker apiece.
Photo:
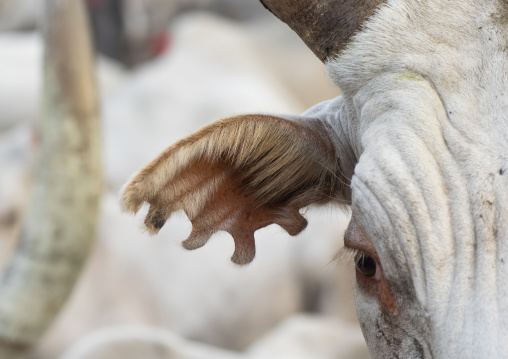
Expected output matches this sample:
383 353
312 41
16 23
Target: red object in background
160 43
112 39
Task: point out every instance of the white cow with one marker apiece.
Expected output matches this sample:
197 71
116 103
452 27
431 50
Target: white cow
417 145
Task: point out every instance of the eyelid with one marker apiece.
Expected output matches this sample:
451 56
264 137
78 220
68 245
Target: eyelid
355 238
354 248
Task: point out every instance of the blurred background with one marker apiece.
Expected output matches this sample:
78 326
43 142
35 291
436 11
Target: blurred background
166 68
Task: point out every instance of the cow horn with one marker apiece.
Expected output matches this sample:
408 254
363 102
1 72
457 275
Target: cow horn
324 25
61 223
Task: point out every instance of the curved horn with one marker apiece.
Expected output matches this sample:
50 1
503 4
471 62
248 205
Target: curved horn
324 25
60 226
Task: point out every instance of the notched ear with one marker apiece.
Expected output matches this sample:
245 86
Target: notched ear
238 175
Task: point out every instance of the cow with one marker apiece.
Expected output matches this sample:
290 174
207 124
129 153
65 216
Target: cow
416 146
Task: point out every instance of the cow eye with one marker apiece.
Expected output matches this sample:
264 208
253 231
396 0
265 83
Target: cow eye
366 265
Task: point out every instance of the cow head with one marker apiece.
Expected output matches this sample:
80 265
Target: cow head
417 145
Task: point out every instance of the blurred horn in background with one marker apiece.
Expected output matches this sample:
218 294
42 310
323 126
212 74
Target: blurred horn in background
61 223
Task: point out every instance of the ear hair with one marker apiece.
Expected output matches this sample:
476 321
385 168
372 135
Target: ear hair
239 174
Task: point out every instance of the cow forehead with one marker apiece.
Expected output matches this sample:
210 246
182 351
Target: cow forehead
437 221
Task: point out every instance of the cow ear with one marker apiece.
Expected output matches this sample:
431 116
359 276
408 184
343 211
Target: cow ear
238 175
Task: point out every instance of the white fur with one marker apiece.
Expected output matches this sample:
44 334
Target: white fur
425 89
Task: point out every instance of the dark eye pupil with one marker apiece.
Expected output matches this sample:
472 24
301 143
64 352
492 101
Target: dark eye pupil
366 265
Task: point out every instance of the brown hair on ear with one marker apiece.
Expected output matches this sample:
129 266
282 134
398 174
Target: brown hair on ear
239 175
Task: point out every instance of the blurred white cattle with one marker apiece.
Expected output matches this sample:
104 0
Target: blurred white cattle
304 336
214 69
298 337
138 342
20 14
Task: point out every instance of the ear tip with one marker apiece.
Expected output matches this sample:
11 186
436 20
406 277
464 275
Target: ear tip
152 230
243 258
245 249
189 245
130 198
299 226
196 240
129 204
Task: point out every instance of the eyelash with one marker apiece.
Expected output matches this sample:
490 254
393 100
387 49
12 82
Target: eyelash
349 255
365 265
